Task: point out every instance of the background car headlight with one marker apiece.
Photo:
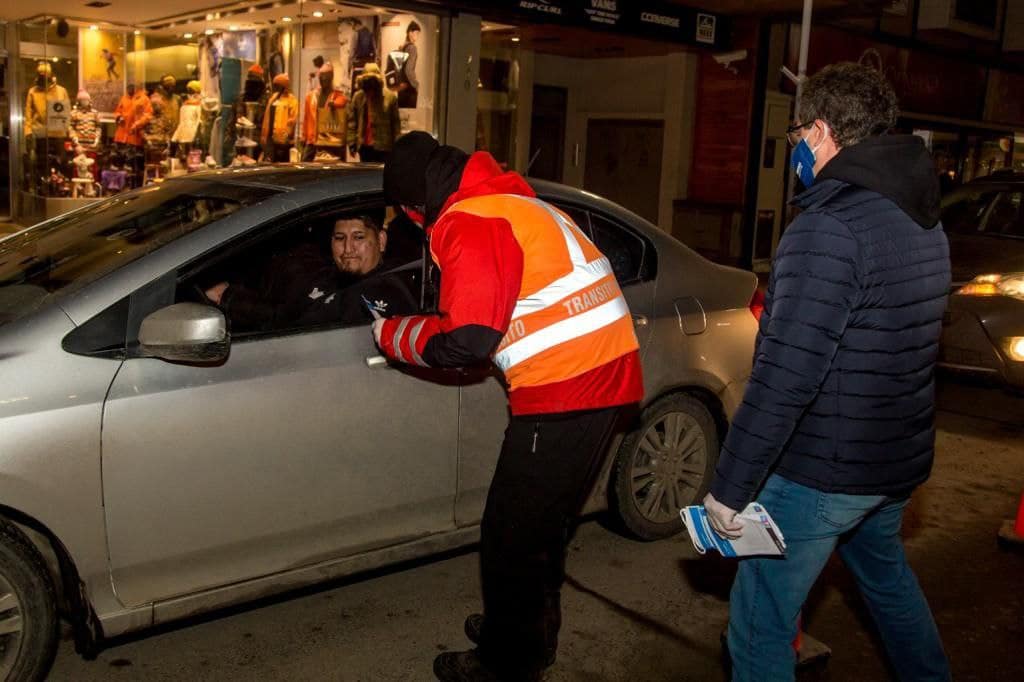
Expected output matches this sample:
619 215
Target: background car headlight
1015 348
994 285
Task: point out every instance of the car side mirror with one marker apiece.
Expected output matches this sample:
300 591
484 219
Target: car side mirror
185 332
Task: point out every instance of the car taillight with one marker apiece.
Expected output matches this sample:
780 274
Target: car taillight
757 304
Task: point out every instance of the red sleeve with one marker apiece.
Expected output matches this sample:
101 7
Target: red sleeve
481 267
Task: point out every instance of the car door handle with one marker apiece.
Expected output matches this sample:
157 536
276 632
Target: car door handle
639 320
376 361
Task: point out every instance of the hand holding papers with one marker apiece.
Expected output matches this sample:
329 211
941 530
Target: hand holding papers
760 534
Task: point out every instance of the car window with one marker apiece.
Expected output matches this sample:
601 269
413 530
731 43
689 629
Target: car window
579 216
625 251
1004 218
64 254
301 276
963 211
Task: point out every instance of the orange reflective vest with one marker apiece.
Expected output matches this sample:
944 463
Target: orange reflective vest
570 316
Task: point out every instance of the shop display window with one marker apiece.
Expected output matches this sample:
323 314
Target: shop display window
498 93
102 109
47 71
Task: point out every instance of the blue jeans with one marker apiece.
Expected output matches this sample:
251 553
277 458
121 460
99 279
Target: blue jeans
769 593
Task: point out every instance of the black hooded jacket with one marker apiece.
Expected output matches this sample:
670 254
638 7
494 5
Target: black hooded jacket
841 397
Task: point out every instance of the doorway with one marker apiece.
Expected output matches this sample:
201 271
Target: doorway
547 133
624 163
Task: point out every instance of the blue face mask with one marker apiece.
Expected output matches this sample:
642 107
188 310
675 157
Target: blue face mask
803 159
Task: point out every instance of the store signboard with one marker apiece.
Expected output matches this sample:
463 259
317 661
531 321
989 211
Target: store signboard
652 19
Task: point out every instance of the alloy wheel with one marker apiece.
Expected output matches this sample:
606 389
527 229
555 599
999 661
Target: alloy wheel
668 466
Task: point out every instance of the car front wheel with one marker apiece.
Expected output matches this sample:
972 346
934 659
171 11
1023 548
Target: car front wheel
664 465
29 626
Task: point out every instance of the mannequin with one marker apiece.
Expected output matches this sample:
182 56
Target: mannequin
170 100
403 64
132 114
85 123
47 122
158 137
184 135
325 121
375 122
279 121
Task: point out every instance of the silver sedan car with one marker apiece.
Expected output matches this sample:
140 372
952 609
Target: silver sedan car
157 462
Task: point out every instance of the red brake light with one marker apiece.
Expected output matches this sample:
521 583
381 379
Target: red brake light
757 304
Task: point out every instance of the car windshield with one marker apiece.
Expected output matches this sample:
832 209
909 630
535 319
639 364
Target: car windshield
64 254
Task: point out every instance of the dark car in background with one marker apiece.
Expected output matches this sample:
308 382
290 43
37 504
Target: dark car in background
983 330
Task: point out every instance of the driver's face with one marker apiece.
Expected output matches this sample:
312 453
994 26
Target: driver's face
357 249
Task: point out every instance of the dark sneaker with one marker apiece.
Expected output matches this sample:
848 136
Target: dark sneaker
474 626
462 666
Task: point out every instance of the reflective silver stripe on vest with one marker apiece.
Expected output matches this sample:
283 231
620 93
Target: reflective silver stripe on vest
413 338
582 277
396 341
570 328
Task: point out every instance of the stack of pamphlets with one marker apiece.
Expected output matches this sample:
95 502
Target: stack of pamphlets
761 537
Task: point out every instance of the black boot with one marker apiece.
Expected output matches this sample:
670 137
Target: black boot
474 626
462 666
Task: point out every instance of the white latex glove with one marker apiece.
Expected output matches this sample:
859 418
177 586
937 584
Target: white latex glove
722 518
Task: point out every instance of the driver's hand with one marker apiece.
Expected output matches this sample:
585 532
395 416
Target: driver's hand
378 327
216 292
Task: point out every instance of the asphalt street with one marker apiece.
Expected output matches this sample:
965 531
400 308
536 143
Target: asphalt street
638 611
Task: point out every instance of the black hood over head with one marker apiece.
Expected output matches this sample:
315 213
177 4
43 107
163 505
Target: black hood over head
421 172
444 173
406 169
898 167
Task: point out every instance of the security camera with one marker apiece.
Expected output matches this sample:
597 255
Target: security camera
727 58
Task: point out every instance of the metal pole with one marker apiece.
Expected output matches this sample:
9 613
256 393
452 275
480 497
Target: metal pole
805 43
801 76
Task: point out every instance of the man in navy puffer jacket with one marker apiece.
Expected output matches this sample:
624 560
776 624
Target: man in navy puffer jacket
837 426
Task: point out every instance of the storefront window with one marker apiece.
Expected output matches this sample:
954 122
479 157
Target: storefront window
101 110
380 69
964 155
47 66
987 153
498 92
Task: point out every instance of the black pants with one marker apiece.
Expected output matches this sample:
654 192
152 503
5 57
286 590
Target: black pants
547 466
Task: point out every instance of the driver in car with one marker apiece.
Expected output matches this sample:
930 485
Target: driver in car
300 288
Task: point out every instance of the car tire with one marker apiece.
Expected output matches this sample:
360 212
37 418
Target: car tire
29 624
677 441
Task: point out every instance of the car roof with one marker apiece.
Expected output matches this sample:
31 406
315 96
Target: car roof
317 176
289 176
